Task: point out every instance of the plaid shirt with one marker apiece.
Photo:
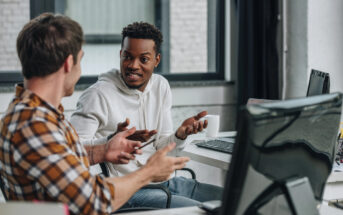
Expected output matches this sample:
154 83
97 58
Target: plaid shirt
41 158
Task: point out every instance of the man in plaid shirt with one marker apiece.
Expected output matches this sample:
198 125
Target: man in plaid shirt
41 157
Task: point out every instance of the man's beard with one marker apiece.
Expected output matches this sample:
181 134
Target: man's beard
134 87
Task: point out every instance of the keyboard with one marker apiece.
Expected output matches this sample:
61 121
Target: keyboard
219 144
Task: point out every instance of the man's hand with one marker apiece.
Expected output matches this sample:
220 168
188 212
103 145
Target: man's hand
139 135
191 125
119 148
162 166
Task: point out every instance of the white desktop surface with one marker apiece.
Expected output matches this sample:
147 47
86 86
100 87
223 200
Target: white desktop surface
324 210
206 156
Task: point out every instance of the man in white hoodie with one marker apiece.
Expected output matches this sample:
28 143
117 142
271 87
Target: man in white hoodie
145 98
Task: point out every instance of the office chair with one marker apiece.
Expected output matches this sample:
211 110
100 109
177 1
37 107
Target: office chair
106 173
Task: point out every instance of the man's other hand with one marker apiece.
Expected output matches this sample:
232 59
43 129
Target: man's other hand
162 166
191 125
119 148
139 135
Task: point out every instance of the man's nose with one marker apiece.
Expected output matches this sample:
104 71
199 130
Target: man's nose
134 64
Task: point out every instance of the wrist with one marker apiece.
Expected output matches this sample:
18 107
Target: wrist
147 174
98 154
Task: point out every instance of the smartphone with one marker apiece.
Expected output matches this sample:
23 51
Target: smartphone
145 144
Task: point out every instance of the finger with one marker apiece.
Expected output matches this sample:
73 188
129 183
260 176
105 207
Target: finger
205 123
200 115
123 161
168 148
141 132
201 125
196 126
180 160
128 156
129 132
152 132
179 166
124 124
137 151
188 130
134 144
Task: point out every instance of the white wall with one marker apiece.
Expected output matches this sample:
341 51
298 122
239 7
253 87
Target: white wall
296 53
314 41
13 15
325 39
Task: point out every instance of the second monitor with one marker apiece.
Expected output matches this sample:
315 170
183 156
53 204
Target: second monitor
283 155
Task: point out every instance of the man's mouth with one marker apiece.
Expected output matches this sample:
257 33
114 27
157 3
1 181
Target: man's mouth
133 76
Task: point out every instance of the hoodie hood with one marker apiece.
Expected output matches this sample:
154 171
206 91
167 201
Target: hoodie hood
114 77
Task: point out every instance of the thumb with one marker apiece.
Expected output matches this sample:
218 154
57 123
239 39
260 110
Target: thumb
124 124
168 148
127 121
129 132
200 115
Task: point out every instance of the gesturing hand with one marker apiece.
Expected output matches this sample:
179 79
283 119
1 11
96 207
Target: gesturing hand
139 135
119 148
191 125
162 166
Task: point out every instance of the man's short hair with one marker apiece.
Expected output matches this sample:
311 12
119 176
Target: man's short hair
45 42
143 30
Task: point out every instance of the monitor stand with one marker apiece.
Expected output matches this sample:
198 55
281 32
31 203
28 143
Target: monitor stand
298 193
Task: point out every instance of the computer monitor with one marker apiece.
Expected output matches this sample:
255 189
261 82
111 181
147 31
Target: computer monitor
319 83
283 155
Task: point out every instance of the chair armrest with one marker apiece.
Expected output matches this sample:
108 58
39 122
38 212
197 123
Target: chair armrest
190 171
158 186
104 170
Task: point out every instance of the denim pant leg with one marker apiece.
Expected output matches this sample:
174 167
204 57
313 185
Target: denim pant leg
147 198
195 190
158 199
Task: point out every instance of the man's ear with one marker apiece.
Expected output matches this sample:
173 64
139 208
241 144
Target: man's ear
68 63
158 59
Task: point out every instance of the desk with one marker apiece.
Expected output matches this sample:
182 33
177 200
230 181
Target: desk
324 210
206 156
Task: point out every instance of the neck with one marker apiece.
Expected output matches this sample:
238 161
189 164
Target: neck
49 88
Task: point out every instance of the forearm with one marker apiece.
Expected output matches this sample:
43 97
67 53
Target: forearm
127 185
96 153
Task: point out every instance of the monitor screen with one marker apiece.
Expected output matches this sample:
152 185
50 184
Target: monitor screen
277 142
319 83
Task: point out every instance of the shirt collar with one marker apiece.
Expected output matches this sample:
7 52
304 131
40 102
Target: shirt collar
26 94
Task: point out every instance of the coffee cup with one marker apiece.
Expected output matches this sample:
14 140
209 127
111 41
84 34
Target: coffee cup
212 125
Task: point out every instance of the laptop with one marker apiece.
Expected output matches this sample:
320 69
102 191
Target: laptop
225 144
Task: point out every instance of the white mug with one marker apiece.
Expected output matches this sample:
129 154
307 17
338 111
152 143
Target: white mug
212 126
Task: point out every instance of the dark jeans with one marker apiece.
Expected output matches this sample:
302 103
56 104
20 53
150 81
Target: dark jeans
185 192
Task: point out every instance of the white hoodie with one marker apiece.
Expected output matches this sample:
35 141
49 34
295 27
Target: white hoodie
109 101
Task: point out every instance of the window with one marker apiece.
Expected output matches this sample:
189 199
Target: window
193 32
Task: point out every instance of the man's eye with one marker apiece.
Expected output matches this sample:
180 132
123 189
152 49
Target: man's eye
126 57
145 59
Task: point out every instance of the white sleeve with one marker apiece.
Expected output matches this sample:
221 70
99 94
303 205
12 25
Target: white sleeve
167 134
89 116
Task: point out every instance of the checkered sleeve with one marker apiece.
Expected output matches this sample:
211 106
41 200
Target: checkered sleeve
42 152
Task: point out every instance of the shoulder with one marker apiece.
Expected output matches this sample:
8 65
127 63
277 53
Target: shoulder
106 84
24 117
160 82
